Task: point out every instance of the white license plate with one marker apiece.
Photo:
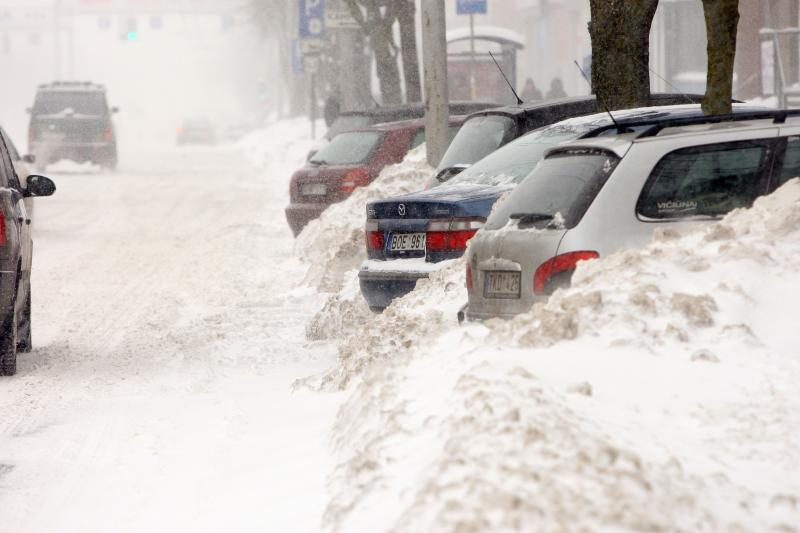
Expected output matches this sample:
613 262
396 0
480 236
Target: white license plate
313 189
407 242
502 284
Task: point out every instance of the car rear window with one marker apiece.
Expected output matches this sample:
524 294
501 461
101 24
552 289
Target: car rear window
478 137
80 102
512 162
562 186
350 148
348 123
705 181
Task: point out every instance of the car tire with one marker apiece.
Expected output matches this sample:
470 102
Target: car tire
8 346
376 309
25 341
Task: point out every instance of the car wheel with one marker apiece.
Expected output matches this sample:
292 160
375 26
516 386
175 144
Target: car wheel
8 346
25 341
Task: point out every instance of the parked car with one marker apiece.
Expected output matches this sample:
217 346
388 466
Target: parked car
196 131
16 251
72 120
21 167
592 197
352 159
402 248
356 120
486 131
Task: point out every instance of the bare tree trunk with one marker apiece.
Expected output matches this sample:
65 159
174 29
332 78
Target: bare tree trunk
620 32
377 25
722 22
406 11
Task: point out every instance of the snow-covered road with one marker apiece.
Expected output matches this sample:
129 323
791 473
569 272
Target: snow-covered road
167 337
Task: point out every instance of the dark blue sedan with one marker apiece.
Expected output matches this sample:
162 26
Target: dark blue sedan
410 236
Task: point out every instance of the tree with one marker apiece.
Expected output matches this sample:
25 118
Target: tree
376 19
722 22
406 11
620 32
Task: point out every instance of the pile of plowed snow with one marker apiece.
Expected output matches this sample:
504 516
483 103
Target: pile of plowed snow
659 392
333 245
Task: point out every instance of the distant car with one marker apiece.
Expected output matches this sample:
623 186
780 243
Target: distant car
409 236
356 120
592 197
196 131
486 131
352 159
72 120
16 253
21 166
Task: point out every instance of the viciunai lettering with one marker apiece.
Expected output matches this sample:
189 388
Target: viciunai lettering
673 206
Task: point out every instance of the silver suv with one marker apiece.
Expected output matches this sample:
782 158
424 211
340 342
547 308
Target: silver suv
589 198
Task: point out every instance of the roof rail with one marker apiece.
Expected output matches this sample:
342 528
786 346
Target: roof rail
778 116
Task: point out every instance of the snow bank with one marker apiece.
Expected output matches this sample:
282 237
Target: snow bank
657 393
333 245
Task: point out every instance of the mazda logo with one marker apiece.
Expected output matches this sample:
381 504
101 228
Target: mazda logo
401 210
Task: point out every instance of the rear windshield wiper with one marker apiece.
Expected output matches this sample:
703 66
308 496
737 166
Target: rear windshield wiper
319 162
530 218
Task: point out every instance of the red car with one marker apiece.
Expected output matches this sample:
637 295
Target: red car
352 159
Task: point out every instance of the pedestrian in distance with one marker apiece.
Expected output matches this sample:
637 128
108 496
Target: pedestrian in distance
556 89
530 92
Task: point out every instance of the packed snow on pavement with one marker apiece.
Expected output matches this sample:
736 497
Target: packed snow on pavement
198 369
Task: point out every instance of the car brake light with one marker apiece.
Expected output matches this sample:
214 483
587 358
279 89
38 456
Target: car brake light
451 235
2 229
557 265
374 237
470 282
353 179
108 135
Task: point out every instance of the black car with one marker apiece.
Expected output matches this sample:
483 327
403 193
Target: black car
486 131
16 251
72 120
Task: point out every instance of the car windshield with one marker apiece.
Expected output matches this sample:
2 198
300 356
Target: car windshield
512 162
79 102
562 186
349 148
348 123
478 137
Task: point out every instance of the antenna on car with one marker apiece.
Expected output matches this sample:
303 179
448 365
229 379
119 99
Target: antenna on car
519 100
668 83
601 102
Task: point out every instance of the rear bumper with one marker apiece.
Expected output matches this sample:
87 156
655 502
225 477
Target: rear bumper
298 215
79 152
383 281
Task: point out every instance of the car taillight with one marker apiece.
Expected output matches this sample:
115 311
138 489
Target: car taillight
355 178
108 135
557 265
451 235
470 281
2 230
374 237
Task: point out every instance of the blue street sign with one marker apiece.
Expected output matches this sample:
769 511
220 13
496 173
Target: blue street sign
471 7
312 19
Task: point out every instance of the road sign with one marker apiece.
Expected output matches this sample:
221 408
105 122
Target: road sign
471 7
312 19
337 15
297 58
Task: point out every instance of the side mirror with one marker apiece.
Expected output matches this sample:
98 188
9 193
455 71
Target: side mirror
115 109
40 186
29 158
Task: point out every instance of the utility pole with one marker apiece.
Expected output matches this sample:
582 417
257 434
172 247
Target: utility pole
434 53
